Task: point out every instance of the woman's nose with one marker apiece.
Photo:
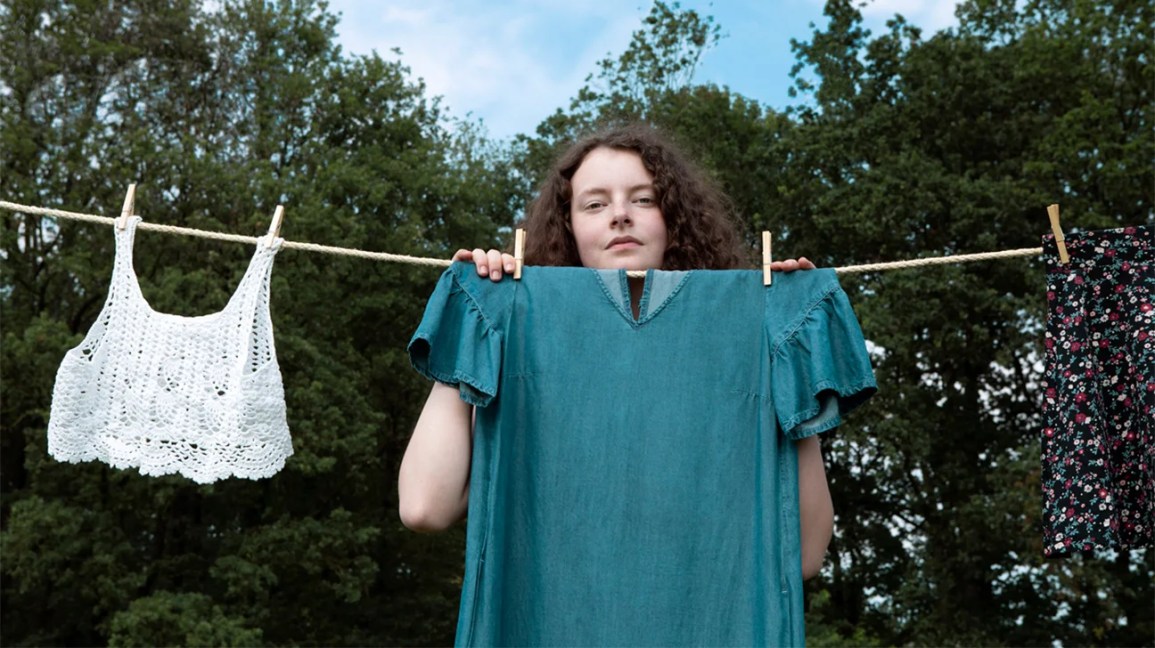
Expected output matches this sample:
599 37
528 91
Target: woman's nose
621 214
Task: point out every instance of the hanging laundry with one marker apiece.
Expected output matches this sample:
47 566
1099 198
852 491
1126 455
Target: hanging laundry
196 396
634 479
1098 446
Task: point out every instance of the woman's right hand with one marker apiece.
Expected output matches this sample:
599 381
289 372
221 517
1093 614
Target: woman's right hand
493 263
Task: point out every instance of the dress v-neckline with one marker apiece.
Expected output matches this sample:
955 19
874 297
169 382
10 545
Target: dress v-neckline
659 288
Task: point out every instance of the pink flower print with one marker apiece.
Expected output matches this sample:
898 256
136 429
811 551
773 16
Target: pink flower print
1080 418
1081 397
1075 346
1078 280
1145 307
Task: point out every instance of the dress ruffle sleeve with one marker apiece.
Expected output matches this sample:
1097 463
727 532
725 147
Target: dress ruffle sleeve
821 367
456 343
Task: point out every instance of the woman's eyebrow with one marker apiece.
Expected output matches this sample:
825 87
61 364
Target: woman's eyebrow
645 186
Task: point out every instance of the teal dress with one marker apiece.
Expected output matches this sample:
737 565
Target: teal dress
635 480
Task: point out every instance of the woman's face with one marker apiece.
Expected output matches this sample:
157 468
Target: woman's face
614 213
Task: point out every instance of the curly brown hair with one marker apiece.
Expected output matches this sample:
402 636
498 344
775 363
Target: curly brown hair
701 229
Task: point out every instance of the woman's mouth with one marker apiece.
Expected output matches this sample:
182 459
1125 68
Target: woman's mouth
623 243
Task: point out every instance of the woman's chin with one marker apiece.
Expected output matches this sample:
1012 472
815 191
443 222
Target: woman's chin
626 262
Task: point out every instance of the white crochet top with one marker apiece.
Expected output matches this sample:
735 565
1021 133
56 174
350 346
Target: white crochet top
199 396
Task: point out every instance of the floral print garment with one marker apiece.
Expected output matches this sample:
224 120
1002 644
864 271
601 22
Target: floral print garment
1099 409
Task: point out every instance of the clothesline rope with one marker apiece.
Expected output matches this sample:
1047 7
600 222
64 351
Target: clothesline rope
425 261
220 236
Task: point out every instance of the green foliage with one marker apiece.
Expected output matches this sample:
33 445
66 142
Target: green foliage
916 147
904 146
219 115
178 619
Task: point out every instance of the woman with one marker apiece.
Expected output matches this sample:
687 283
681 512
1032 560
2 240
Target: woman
625 199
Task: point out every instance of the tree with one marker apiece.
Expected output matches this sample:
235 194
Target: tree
906 146
952 144
220 115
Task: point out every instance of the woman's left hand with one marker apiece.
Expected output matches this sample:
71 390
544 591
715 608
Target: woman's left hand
790 265
489 264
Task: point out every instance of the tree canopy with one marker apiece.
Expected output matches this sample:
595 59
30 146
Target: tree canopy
899 146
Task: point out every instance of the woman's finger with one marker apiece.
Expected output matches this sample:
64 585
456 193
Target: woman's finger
481 261
495 265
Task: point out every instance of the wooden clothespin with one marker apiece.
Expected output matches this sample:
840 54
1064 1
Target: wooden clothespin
1053 213
275 226
766 259
126 211
518 251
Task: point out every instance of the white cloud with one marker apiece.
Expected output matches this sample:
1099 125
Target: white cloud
929 15
514 62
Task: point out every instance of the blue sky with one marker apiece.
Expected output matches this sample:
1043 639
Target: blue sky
513 62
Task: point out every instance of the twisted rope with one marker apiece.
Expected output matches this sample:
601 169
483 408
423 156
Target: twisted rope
957 258
425 261
219 236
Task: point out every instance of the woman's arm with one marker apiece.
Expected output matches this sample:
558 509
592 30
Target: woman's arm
433 485
815 507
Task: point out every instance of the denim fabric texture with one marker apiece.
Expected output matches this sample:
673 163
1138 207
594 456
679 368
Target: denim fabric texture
635 480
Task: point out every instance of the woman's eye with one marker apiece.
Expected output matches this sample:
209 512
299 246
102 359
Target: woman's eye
645 200
594 204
